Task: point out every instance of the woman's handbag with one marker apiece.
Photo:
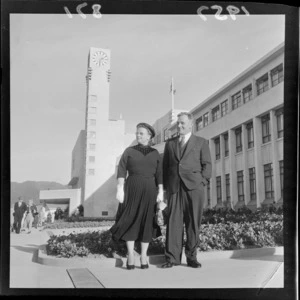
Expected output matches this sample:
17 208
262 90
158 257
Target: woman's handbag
161 214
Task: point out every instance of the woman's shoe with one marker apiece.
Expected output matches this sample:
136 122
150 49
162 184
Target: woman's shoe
144 266
130 267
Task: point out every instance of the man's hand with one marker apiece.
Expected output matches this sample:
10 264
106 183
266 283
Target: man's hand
120 193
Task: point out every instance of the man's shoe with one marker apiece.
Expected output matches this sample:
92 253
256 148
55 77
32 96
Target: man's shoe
168 265
193 264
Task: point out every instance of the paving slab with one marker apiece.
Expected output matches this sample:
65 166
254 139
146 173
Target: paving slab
83 278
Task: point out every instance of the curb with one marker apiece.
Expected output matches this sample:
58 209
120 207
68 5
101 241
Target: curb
118 261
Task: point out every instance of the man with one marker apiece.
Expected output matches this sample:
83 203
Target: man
19 210
186 170
31 211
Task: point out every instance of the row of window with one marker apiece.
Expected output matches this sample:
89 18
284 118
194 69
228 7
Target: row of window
266 134
92 109
268 184
243 96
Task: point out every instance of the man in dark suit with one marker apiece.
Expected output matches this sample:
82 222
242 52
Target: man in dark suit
186 171
19 210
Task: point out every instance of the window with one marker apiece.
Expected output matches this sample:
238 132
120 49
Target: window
91 159
215 113
262 84
199 123
92 147
226 146
252 184
227 178
92 122
166 134
217 148
240 183
236 100
238 138
93 98
208 193
224 108
92 109
279 116
91 171
277 75
266 132
219 189
250 135
247 93
92 134
104 213
268 172
281 176
205 119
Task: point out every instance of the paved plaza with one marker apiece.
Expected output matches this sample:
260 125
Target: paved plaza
30 267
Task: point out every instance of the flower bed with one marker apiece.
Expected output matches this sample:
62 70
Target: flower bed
221 236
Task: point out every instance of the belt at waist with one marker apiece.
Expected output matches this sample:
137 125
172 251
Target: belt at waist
141 175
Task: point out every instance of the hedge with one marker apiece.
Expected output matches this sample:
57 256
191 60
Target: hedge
221 236
210 216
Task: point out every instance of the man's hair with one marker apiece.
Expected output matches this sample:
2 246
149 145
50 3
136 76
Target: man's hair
190 116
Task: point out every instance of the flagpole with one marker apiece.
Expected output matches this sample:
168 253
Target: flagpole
172 91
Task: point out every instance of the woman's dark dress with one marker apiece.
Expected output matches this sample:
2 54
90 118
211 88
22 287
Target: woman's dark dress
135 216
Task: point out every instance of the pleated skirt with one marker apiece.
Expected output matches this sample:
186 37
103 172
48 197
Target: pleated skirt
135 216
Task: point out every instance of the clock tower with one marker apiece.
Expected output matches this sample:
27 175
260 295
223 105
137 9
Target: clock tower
98 77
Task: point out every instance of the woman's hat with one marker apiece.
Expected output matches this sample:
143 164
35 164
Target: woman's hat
148 127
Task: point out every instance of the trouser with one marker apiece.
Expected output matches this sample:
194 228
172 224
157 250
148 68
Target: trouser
28 221
184 207
17 223
35 221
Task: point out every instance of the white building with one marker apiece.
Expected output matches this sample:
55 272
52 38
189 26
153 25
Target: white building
98 148
243 122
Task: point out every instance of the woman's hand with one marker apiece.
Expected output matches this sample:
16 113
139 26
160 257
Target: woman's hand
160 196
120 193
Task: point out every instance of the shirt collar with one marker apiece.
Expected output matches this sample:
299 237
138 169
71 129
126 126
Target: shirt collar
186 137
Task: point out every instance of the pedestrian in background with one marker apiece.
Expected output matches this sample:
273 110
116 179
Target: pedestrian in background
19 211
31 210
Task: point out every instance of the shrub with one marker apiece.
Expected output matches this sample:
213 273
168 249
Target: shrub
82 224
221 236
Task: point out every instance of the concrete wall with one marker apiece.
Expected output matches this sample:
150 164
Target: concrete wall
78 161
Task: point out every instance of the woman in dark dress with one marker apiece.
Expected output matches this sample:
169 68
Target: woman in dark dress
138 193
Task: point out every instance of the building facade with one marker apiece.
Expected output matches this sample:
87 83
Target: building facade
243 122
97 149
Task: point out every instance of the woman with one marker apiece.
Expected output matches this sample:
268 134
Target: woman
143 188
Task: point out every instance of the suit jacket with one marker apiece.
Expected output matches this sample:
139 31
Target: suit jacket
19 210
193 167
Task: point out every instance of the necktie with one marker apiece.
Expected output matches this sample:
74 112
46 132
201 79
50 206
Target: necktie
182 142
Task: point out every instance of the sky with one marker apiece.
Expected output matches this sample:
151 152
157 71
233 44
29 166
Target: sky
48 57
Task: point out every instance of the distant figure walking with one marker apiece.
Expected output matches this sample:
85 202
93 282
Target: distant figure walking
42 215
19 211
31 210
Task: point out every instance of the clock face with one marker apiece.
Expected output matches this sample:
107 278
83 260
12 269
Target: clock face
100 58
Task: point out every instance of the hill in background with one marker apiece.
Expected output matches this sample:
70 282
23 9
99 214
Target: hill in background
31 190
